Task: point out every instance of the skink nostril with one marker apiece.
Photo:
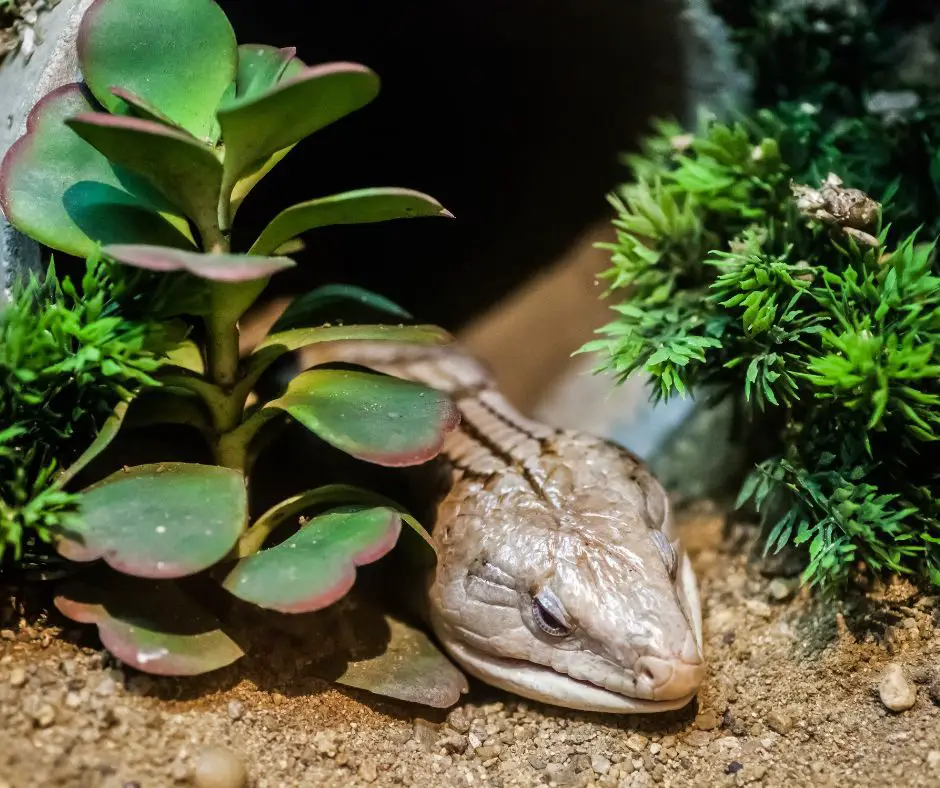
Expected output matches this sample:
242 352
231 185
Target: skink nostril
654 671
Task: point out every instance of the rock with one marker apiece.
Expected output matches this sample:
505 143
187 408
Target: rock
368 771
325 743
933 760
697 738
537 763
459 720
636 742
779 722
895 691
707 721
219 767
425 735
487 751
17 677
45 716
456 744
236 710
758 608
23 81
600 763
780 590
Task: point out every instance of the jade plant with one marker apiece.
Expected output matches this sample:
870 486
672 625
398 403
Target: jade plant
146 163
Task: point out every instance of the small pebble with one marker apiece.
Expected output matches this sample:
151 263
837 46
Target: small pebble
456 744
236 710
218 767
697 738
45 716
17 677
368 771
636 742
895 691
600 764
780 590
758 608
707 721
933 760
487 751
779 722
459 721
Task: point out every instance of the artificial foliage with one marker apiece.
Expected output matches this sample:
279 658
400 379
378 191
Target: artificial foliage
145 165
736 281
70 352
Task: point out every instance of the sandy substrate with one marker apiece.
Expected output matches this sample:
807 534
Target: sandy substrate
791 699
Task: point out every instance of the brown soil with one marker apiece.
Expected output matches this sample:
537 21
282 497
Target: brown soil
790 700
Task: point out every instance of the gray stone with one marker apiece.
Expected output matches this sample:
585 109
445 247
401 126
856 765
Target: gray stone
25 77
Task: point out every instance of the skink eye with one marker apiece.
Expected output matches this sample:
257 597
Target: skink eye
549 614
668 552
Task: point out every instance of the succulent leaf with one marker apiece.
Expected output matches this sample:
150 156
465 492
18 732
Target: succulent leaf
184 170
316 566
314 308
160 521
379 419
215 267
411 669
356 207
151 625
58 189
184 57
256 128
276 345
260 68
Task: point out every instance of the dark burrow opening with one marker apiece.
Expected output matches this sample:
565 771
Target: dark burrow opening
512 114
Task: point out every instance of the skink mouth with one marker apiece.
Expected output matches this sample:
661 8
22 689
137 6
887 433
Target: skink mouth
653 690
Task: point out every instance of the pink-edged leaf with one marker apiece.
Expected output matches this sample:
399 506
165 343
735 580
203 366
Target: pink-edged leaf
316 566
363 206
153 626
159 521
178 55
411 668
276 345
59 190
253 175
334 302
215 267
380 419
141 108
260 68
257 127
184 170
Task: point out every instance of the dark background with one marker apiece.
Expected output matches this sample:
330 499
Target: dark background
512 113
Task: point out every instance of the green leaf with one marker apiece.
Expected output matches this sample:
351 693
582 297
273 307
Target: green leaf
160 521
153 626
317 565
214 267
141 108
383 420
260 68
59 190
276 345
411 669
256 128
357 207
103 439
311 308
183 169
178 55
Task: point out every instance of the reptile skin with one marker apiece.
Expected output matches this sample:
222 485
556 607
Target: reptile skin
559 575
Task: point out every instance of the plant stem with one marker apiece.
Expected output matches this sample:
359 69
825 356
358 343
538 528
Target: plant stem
223 347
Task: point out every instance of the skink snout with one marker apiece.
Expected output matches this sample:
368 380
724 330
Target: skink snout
671 678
